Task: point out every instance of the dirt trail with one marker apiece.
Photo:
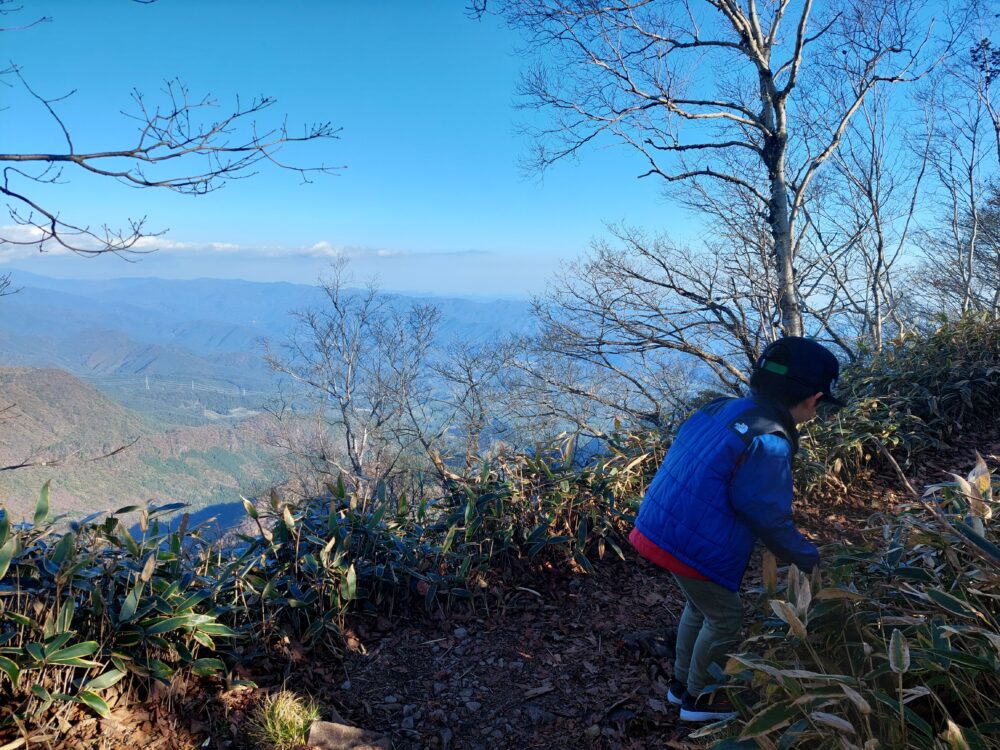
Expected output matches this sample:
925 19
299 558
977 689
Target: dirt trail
576 661
580 663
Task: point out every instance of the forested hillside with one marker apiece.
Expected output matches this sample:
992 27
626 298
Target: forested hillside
100 455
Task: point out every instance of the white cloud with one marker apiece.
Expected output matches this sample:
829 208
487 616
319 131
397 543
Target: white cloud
12 237
166 246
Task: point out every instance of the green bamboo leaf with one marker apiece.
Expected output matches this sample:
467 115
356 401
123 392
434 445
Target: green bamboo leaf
429 596
77 650
967 660
955 605
912 717
204 639
19 619
189 603
979 540
538 532
104 681
583 562
771 718
42 508
4 526
130 605
166 508
217 628
36 651
349 585
6 555
10 668
899 652
57 643
209 667
449 539
168 624
95 703
129 542
64 548
250 508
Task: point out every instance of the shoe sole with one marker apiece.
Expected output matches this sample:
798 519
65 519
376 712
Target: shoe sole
672 699
704 716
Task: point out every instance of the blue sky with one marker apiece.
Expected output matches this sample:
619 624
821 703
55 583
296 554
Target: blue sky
432 198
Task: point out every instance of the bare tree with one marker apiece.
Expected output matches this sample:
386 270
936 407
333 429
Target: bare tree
956 275
710 91
182 143
644 319
861 221
362 361
961 161
472 407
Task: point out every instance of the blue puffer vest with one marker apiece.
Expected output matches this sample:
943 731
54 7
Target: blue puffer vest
686 510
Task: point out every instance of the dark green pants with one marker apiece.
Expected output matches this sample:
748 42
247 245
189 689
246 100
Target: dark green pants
709 630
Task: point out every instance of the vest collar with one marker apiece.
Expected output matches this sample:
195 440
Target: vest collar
782 416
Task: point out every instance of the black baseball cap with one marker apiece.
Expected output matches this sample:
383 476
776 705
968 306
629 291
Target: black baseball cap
803 361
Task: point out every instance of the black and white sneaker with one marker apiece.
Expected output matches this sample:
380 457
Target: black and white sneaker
676 692
714 706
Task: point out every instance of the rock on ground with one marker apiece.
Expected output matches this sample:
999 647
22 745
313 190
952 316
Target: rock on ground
328 735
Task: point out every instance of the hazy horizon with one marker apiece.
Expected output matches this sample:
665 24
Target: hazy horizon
66 274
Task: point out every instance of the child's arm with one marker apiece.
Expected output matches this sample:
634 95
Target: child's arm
761 495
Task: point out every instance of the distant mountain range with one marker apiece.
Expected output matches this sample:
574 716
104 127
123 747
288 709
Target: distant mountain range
208 331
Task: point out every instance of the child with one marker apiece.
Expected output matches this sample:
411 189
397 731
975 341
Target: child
725 482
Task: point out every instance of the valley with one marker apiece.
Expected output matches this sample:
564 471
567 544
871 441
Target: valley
166 375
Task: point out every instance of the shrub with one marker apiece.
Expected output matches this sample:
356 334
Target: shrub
86 607
917 394
896 648
542 505
282 721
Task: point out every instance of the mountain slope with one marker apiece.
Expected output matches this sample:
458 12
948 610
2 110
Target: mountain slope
56 418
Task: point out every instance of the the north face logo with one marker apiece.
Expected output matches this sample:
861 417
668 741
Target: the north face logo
741 428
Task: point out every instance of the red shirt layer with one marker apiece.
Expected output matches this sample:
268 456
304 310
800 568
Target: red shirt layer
661 557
